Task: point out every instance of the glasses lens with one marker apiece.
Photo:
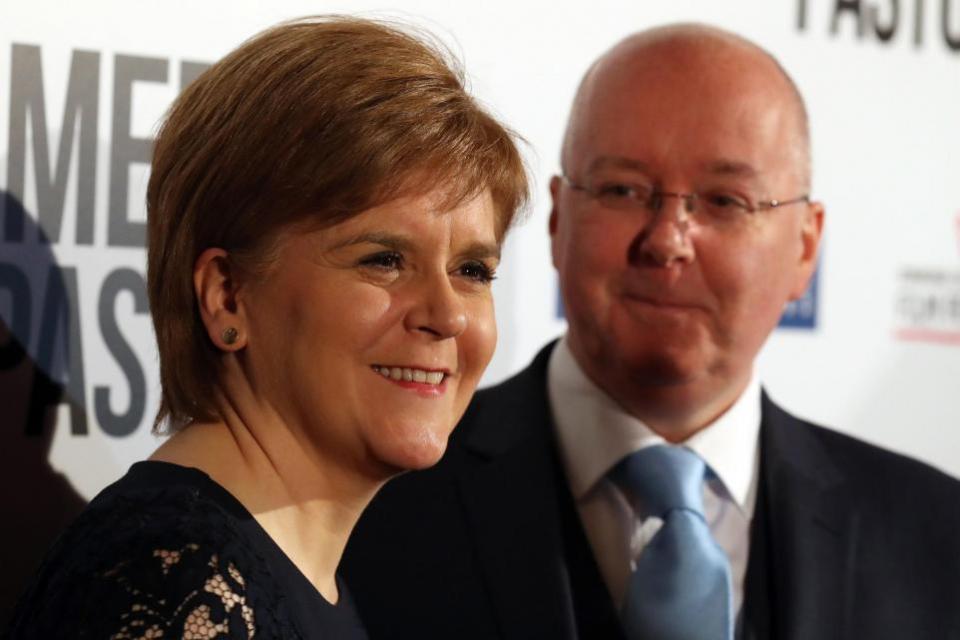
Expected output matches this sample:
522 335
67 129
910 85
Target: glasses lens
720 207
622 195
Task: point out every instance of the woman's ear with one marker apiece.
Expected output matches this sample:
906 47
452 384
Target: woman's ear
215 285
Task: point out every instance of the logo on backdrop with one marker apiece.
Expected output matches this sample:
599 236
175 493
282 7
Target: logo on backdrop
885 21
44 295
956 227
928 306
928 303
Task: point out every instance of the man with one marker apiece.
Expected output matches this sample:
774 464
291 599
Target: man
680 228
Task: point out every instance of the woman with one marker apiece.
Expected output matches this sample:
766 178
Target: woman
326 208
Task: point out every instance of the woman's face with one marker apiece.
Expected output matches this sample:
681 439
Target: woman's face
368 338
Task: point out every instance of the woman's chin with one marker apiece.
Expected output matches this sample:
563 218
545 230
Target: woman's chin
414 451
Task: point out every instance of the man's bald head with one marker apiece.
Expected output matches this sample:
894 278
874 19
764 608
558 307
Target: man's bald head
696 55
682 224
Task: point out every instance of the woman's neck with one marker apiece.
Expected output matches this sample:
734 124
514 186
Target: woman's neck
308 507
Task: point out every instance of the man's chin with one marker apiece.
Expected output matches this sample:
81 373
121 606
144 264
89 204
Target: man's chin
662 368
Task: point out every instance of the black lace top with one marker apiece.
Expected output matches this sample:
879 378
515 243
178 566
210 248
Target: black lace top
165 552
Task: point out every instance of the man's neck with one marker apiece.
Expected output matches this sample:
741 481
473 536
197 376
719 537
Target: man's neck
673 410
677 413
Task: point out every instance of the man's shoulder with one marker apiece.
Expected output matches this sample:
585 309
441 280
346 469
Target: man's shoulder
877 458
874 473
501 413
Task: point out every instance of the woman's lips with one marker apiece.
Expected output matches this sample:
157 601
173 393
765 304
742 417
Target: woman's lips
430 381
411 374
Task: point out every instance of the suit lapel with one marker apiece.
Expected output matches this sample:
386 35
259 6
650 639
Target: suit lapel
510 500
512 512
804 536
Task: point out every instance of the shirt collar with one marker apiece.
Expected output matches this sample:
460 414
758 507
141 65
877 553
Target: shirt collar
594 432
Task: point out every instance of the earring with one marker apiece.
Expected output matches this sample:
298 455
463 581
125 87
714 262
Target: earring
229 335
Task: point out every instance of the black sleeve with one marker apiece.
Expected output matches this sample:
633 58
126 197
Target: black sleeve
169 567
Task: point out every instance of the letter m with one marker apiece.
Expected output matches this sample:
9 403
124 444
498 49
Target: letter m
80 112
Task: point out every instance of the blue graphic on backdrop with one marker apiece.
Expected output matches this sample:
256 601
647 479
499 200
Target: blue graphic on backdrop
802 313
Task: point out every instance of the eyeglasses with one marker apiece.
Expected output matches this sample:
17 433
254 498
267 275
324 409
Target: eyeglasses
709 207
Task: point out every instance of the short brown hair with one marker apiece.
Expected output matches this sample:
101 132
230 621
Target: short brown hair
312 120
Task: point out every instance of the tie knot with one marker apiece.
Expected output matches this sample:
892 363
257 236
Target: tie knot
662 478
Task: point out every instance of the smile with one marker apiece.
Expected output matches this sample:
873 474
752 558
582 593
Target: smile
407 374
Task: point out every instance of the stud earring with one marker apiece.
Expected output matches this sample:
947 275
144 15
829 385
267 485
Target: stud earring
229 335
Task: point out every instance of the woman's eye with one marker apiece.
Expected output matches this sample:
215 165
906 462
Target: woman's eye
383 260
478 272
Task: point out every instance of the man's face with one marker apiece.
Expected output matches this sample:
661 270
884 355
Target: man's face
666 297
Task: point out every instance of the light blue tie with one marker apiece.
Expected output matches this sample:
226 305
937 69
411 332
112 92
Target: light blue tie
681 588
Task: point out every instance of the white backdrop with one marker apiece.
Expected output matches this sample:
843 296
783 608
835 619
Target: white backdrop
882 361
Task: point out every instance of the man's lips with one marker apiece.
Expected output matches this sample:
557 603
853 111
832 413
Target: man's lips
662 302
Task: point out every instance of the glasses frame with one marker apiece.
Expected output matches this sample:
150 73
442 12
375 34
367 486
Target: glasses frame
655 200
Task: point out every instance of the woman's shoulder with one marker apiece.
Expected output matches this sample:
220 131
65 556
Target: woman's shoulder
164 552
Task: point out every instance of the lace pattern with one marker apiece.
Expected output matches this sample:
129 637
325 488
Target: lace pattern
207 613
162 563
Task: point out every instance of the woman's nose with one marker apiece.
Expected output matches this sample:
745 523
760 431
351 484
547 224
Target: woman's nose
438 309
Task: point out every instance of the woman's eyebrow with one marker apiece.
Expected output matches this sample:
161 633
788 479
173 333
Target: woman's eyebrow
475 250
388 240
481 250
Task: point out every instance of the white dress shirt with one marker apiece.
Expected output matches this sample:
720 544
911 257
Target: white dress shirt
594 433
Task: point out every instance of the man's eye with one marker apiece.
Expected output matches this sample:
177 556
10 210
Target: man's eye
622 195
625 191
386 260
478 272
725 202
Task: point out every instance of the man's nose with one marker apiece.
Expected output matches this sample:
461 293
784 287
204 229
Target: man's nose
665 238
438 309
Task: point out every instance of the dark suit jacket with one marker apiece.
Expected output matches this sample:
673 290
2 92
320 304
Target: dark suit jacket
847 541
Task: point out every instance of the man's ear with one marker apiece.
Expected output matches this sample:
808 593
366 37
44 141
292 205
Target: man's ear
554 221
215 285
811 231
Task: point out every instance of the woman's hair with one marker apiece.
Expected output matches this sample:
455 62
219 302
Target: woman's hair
309 122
